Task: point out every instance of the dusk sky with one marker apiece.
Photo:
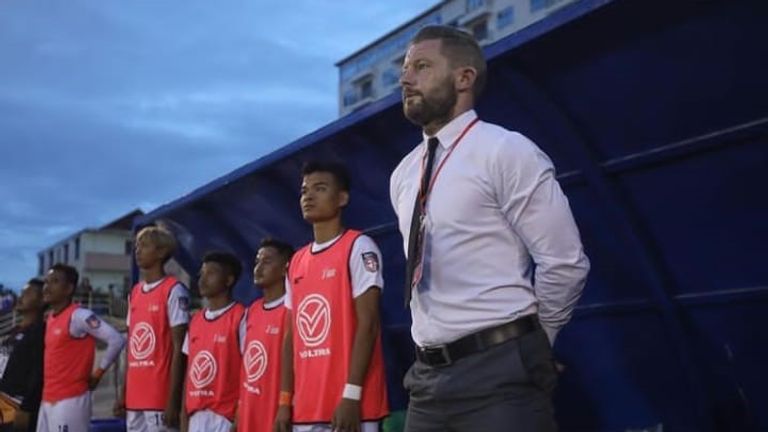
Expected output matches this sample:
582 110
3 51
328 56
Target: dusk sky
107 105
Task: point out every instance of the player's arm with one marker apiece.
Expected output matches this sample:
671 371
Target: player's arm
178 368
86 322
284 410
242 329
178 316
183 417
347 415
118 409
366 278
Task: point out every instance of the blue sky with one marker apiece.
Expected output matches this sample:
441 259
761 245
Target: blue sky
109 105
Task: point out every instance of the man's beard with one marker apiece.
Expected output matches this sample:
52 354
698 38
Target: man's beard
436 107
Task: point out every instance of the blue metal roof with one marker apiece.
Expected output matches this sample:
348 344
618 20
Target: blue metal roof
655 114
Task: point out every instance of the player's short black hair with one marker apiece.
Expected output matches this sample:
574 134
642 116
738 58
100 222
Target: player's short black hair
70 273
283 249
228 261
36 282
336 169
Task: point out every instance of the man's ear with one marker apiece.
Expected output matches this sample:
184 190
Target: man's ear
344 198
465 77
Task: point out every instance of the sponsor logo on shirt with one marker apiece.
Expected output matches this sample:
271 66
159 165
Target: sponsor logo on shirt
273 330
142 344
219 339
93 321
371 261
184 303
202 372
255 361
328 273
154 308
313 320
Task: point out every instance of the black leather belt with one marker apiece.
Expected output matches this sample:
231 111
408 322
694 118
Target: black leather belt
444 355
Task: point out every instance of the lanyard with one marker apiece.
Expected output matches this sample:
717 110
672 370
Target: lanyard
423 198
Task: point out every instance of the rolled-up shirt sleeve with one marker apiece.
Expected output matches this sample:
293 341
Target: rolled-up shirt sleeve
536 208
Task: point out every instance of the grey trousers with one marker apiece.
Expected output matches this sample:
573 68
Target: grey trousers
505 388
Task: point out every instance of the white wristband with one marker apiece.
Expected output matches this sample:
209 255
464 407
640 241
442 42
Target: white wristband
353 392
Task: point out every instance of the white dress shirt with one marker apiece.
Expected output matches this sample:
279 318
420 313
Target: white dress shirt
495 209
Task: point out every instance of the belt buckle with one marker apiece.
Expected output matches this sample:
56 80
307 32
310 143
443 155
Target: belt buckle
437 355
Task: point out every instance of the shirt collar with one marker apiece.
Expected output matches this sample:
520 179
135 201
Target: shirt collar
448 133
274 303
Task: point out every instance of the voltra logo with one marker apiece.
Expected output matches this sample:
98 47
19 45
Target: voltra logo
313 319
203 369
142 341
255 361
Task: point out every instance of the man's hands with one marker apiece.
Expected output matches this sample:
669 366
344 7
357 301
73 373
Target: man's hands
21 422
95 378
118 409
283 419
171 415
346 418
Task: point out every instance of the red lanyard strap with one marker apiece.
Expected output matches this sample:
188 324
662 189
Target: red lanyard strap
423 198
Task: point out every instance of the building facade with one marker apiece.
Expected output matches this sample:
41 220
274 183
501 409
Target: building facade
101 255
373 72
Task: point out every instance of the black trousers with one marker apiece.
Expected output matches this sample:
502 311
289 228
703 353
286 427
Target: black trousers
507 387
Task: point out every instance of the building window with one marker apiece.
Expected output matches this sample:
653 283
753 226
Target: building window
366 89
128 247
40 264
77 248
50 258
350 97
391 76
537 5
479 30
473 5
66 253
505 17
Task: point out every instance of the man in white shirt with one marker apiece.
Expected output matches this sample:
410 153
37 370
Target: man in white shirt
479 208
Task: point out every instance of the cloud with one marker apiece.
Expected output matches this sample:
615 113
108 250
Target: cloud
108 106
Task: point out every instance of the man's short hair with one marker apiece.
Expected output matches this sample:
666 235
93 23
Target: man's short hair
36 282
70 273
336 169
229 262
161 238
461 49
283 249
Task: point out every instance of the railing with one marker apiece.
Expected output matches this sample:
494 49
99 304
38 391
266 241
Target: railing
103 304
7 321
